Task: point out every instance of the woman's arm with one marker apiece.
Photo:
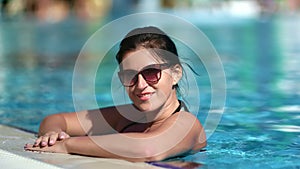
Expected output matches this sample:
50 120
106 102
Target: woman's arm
63 125
179 134
55 123
52 128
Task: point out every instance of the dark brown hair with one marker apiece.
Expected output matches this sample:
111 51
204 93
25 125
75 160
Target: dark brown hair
149 38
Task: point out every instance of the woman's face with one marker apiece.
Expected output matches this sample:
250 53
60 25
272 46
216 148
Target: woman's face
148 96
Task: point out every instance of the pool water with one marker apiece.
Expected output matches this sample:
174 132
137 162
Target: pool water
260 127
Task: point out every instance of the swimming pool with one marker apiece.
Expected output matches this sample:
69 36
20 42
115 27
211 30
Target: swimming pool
259 128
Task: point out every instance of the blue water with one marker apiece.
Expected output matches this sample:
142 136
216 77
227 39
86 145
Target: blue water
261 123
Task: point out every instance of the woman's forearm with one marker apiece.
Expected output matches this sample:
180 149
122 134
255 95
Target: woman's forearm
120 146
151 146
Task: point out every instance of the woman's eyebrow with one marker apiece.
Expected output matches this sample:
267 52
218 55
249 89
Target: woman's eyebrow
143 68
151 66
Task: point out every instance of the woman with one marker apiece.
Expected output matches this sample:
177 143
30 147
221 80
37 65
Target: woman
154 127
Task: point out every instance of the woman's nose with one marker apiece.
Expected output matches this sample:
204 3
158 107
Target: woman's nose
141 83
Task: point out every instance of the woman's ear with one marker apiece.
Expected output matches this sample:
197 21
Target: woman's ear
176 73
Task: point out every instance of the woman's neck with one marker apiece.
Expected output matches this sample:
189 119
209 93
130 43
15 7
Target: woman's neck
132 113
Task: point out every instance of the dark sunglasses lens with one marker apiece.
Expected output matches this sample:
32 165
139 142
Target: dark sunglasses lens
128 78
133 80
151 75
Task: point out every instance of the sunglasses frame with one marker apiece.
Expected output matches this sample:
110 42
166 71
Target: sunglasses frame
134 78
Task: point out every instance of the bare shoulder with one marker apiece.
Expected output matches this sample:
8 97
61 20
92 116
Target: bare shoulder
190 124
184 130
188 115
93 122
181 123
186 118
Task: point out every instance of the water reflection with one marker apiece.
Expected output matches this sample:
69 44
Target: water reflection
253 57
261 58
261 121
266 62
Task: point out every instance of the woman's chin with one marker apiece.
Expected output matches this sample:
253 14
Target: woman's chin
145 106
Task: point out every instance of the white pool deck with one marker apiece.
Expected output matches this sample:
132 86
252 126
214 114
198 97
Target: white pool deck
12 155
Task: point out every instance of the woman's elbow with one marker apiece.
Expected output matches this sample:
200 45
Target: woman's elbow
52 122
147 153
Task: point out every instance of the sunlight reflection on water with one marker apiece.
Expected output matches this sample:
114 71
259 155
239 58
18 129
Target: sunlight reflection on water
260 125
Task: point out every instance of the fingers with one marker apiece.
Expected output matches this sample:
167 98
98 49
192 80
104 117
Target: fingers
62 135
59 147
31 147
28 146
37 142
47 139
50 139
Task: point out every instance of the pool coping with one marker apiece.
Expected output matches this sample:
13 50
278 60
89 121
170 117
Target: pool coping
13 155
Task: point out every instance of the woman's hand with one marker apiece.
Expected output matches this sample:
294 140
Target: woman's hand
58 147
50 138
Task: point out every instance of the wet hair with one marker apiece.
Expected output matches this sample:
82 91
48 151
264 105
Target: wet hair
149 38
154 39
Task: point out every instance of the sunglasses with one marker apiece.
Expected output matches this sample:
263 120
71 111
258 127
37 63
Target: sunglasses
151 73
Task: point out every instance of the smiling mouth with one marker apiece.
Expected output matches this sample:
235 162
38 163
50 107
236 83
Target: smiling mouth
144 96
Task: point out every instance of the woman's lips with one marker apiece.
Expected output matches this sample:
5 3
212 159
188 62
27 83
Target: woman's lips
144 96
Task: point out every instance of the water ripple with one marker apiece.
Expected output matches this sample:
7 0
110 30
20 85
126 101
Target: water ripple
286 128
